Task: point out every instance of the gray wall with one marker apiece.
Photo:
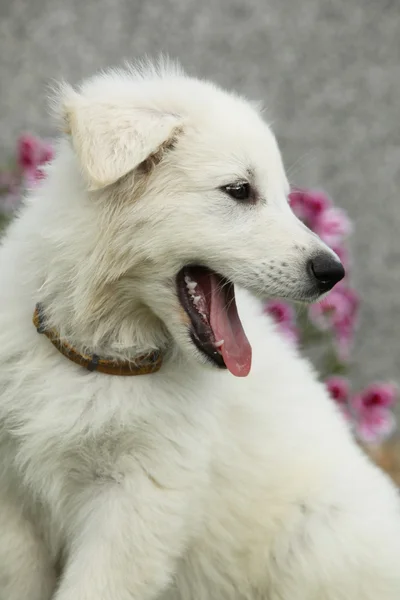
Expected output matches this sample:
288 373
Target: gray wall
328 71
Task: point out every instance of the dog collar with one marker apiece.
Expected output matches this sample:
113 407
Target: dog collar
143 364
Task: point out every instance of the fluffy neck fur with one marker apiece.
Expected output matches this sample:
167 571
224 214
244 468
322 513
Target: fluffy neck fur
98 308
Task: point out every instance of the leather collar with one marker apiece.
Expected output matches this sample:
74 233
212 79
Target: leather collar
143 364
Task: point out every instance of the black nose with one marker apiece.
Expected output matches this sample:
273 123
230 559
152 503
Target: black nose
327 270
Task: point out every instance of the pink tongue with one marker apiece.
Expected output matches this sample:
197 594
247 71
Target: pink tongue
226 325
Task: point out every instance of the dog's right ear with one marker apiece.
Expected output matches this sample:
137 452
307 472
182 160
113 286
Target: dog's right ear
112 137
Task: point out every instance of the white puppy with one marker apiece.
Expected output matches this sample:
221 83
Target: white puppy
191 482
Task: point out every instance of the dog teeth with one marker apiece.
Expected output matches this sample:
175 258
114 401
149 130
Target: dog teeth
190 283
219 344
198 301
191 286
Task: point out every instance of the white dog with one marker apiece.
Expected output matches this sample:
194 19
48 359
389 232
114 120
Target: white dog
142 455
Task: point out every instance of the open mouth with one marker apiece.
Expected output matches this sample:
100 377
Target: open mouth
216 330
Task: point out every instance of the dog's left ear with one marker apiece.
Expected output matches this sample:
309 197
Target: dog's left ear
112 138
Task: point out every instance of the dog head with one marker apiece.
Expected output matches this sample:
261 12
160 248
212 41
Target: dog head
192 199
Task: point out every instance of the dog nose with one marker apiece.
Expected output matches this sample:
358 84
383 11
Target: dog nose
327 270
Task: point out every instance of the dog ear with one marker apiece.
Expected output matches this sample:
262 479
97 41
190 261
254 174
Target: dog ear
113 138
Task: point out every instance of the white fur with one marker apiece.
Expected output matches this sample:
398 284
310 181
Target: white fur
188 484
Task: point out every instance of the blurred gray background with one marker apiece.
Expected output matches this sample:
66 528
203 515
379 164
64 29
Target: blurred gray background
328 71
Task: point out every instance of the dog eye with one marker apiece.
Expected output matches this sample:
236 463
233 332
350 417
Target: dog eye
239 191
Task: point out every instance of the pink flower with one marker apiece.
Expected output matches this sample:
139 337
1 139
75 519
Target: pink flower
339 390
33 152
32 177
376 394
307 205
373 415
284 315
315 209
332 225
338 313
375 426
29 151
340 305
